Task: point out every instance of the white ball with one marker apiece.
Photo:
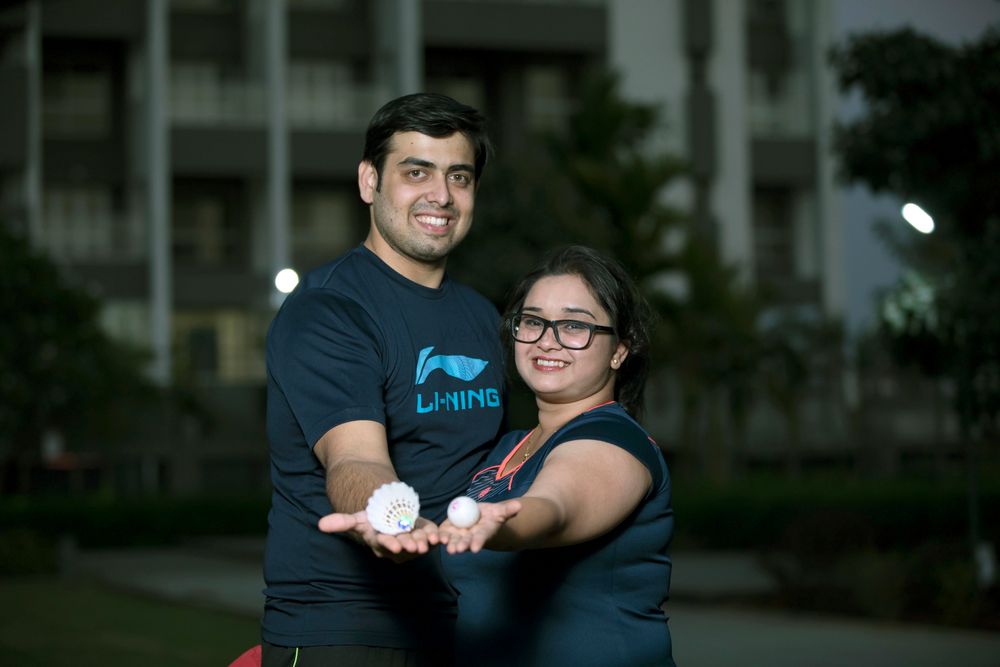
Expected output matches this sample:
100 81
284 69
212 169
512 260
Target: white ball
463 512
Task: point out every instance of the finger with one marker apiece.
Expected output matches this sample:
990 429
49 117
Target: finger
337 523
389 543
425 534
412 542
478 541
430 532
460 544
507 509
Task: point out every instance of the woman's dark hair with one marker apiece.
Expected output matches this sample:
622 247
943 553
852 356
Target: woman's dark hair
427 113
614 289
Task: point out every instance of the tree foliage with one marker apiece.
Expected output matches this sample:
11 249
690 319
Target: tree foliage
597 182
58 368
931 134
594 183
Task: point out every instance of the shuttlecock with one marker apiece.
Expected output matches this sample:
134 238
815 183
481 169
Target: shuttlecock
393 508
463 512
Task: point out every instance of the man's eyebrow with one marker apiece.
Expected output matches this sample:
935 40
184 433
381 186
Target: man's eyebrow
427 164
416 162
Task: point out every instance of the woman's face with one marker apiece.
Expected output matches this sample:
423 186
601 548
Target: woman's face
557 374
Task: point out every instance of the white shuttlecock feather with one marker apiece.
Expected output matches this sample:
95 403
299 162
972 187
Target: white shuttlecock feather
393 508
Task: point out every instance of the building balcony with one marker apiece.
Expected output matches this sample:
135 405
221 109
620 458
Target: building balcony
516 25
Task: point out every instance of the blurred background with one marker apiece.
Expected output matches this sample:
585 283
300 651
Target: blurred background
827 383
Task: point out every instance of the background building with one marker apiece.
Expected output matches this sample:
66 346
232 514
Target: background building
172 156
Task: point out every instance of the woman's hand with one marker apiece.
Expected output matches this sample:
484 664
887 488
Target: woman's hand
492 516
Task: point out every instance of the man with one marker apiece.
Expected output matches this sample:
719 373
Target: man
380 368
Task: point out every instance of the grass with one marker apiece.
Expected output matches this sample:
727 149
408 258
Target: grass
47 621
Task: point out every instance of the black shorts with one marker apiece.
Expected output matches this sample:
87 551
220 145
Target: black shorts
352 656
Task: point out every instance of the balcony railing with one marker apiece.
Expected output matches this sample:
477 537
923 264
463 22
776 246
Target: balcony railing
83 225
317 96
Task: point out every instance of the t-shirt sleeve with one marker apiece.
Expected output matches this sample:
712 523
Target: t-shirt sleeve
323 353
622 433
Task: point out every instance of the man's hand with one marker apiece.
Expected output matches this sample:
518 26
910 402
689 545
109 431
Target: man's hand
398 548
492 516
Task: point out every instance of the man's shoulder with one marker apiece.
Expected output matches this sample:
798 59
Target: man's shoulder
348 269
337 291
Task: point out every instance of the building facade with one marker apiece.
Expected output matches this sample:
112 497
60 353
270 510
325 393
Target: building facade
173 155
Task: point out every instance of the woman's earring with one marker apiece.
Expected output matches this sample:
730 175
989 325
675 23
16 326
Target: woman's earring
614 362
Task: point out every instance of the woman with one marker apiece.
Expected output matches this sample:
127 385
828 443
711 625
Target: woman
567 564
575 570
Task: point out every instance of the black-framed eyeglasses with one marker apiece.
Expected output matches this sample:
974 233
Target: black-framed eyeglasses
571 334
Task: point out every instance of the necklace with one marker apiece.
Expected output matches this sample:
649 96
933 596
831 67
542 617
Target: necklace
529 445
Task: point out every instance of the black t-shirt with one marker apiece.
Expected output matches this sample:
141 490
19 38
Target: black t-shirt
357 341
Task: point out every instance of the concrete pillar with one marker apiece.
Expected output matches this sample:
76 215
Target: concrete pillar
158 187
831 233
278 172
731 199
399 38
33 166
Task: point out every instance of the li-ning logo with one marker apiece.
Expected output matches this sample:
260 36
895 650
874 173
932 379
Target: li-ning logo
461 368
455 365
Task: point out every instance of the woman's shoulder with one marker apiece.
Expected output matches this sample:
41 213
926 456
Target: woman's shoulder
611 423
610 419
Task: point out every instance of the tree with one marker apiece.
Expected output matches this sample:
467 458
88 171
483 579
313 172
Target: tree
597 183
593 183
58 369
931 134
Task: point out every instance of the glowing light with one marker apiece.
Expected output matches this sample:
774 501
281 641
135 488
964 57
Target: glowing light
286 280
918 218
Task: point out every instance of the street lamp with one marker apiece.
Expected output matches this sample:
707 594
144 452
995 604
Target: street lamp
286 280
918 218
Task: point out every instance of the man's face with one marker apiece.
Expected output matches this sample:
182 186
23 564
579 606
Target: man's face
424 206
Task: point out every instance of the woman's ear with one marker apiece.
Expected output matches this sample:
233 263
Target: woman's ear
621 353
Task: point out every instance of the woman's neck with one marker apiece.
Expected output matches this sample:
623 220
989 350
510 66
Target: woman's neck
553 416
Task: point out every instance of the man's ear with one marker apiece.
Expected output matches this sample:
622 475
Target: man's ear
367 181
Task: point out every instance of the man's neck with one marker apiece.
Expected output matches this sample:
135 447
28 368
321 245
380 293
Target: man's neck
422 273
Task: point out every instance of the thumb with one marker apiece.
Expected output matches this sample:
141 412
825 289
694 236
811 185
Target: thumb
337 523
510 508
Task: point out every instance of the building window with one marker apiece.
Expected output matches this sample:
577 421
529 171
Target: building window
78 90
206 6
786 243
88 223
548 100
224 345
208 93
209 225
774 235
466 89
126 321
780 77
326 222
321 93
